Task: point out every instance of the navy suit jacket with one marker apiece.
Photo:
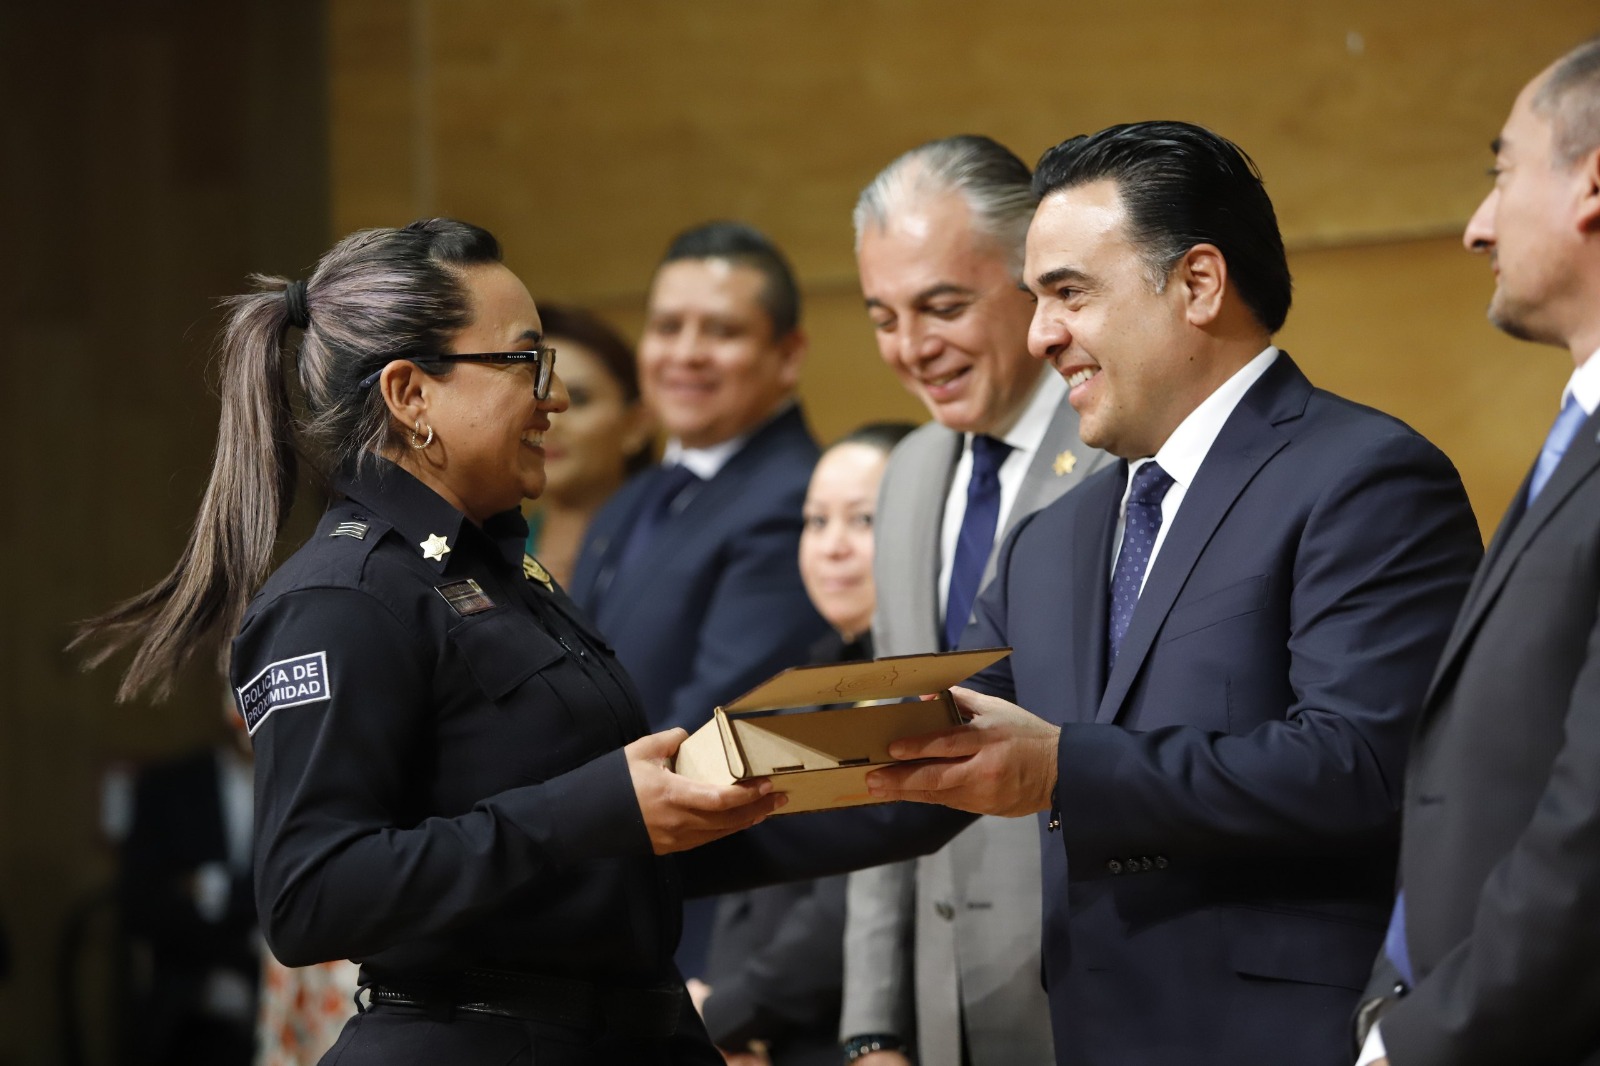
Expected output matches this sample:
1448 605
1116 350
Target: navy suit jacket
713 605
1229 793
1501 852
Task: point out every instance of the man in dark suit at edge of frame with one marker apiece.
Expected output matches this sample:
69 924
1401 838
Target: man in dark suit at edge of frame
1492 947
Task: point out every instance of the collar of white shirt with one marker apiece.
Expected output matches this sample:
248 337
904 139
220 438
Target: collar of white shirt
1189 444
706 463
1585 385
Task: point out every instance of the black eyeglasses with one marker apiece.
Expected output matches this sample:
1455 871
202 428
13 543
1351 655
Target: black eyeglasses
544 358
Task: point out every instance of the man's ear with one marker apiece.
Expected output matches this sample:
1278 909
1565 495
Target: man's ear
1587 174
1203 273
404 388
792 348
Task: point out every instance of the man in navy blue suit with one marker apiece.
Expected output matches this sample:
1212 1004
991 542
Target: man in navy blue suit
691 570
1223 640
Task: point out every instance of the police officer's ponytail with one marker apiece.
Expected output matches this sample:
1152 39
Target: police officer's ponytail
378 295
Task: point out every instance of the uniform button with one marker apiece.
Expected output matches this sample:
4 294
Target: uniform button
1161 862
1114 866
944 910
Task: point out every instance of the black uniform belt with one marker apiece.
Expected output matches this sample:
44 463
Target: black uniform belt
642 1013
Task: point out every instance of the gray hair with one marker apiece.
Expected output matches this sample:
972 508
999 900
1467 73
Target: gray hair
1570 98
996 185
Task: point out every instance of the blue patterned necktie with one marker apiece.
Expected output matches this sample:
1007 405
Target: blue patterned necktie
1150 485
1567 424
978 524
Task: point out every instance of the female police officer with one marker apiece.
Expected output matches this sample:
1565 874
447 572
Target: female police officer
452 784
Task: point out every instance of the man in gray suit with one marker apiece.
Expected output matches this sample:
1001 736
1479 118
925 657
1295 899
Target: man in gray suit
1492 945
939 238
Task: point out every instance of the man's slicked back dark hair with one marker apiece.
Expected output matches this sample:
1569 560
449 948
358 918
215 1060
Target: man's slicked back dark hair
745 246
1182 185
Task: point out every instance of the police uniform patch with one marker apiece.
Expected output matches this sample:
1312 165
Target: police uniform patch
465 597
285 683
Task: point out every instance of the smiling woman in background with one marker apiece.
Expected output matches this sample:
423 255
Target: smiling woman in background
602 437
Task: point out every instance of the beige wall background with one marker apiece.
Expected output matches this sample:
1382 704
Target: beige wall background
151 156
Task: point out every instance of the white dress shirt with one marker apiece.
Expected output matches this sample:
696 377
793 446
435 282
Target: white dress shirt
703 463
1025 436
1187 448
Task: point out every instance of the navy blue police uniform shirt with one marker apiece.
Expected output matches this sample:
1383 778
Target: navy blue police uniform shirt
439 784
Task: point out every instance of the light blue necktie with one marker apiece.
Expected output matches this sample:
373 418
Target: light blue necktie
1567 424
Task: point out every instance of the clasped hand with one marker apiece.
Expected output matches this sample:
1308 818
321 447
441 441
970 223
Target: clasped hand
1003 761
680 813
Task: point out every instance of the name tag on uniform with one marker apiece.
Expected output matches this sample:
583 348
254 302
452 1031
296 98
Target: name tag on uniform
465 597
285 683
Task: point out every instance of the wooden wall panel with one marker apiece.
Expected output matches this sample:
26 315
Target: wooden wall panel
587 132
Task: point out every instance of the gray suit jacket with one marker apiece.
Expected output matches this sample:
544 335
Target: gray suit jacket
1500 850
958 932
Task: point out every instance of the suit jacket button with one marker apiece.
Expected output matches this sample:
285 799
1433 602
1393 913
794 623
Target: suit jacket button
1161 862
1114 866
1145 864
944 910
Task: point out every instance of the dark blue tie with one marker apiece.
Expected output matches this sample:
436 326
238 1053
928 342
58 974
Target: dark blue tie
1567 424
1150 485
656 508
978 524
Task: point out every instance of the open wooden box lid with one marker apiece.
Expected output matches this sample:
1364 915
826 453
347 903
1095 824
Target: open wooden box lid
895 677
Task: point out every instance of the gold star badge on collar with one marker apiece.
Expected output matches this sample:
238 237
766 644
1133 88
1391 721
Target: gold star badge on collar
435 547
533 571
1064 464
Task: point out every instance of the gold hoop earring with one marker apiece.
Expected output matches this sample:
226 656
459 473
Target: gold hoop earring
425 443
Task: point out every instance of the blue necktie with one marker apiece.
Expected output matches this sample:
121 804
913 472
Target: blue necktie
1394 941
1567 424
656 508
1150 485
978 524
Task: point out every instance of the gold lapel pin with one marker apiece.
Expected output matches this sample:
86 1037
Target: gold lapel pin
1064 464
534 571
435 547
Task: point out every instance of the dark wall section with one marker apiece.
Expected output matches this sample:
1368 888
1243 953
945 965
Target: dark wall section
151 155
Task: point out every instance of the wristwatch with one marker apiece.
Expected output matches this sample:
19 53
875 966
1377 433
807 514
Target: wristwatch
867 1043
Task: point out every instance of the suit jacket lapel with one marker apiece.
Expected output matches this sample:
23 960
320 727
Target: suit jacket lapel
1513 537
1041 484
687 521
1095 523
598 588
1248 439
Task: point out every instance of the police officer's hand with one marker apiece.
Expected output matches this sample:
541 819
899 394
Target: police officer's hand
682 814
